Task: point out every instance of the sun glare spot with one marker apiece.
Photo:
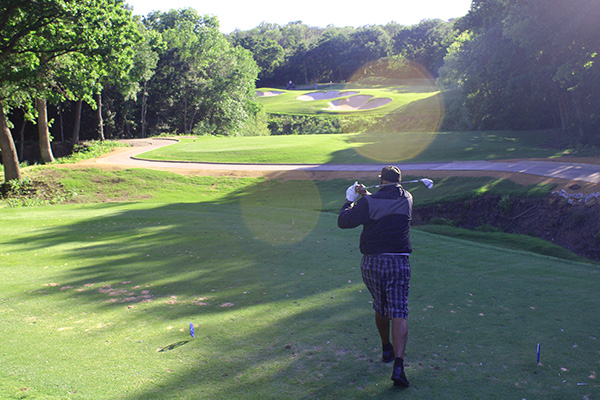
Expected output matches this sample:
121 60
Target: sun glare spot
406 130
486 188
281 212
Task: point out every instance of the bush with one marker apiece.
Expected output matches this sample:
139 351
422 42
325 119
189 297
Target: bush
258 126
303 125
442 221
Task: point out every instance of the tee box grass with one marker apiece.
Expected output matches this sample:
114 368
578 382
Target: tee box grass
96 301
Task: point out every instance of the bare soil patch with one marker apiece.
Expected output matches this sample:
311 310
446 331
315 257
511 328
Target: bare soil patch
575 227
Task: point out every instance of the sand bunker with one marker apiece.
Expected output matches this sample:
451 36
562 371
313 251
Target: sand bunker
357 103
267 94
333 94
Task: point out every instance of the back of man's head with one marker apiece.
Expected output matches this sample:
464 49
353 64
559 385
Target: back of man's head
391 174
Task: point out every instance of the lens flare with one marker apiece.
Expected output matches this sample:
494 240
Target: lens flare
281 212
409 128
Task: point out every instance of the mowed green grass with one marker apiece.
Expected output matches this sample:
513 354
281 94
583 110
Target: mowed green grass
96 301
287 101
354 148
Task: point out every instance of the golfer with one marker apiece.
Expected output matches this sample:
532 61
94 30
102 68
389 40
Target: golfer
385 245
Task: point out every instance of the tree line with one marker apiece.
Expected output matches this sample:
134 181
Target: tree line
90 69
104 72
505 65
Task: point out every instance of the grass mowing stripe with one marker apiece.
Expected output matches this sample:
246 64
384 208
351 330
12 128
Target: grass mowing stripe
338 148
273 321
506 240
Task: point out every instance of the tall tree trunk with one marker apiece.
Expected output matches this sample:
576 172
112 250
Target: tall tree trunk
100 120
9 152
579 115
305 74
77 124
562 109
22 140
144 100
43 132
62 129
192 121
185 115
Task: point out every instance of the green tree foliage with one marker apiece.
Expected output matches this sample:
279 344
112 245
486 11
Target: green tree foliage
296 39
126 97
44 46
267 53
425 43
507 64
314 54
323 55
202 83
529 64
562 42
366 45
328 59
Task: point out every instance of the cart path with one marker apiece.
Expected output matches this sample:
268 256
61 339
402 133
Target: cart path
126 158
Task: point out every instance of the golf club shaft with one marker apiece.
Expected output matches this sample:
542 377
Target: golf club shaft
390 184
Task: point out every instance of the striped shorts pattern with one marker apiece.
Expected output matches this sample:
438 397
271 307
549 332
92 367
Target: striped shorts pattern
388 279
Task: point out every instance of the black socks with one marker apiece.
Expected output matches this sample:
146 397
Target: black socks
399 362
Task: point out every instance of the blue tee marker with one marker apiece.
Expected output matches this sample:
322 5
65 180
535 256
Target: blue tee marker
538 354
192 330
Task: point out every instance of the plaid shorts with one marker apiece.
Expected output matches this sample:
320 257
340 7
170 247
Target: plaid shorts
387 277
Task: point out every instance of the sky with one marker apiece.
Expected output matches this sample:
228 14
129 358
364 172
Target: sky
248 14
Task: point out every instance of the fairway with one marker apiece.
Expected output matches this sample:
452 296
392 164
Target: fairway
96 302
346 148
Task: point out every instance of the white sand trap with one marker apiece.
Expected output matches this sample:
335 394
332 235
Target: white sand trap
333 94
267 94
357 103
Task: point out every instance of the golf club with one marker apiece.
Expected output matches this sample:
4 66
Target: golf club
425 181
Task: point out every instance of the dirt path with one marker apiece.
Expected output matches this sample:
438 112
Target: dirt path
576 176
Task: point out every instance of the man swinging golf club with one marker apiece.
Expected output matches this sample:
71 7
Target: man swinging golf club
385 245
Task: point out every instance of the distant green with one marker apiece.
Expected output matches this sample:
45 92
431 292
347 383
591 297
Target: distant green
339 148
287 102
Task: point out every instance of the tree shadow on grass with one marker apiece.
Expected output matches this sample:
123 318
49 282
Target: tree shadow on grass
280 319
281 314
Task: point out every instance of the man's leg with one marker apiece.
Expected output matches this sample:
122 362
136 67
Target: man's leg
383 327
399 336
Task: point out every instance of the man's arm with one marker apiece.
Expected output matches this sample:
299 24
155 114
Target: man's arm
353 214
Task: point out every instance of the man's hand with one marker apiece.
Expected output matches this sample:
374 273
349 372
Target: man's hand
360 188
355 190
352 193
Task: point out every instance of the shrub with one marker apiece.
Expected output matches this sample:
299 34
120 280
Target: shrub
303 125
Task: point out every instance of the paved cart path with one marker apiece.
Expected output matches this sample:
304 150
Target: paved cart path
126 158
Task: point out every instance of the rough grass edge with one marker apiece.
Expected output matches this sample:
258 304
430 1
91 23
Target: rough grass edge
491 236
38 191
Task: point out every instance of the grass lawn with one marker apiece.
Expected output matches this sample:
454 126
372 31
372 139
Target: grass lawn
354 148
287 102
96 301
